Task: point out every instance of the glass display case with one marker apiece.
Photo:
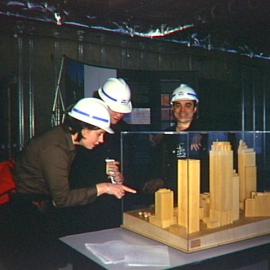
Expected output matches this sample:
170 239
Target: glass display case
197 190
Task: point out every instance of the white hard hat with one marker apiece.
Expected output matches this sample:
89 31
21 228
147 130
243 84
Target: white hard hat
116 94
92 111
184 92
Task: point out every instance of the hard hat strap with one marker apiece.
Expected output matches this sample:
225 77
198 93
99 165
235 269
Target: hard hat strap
100 119
193 95
80 112
92 116
102 90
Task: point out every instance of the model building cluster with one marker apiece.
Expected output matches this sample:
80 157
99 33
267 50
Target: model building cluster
199 221
229 191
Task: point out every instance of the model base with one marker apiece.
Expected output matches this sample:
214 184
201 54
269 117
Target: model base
175 236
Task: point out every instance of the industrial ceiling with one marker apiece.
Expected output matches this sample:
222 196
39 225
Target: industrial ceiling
234 26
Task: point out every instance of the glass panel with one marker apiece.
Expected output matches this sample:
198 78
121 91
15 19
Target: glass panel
197 190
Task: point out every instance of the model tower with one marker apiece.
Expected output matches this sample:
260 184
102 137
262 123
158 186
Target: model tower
222 176
189 194
247 171
163 208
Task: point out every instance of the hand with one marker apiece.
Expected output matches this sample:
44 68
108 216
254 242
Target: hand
117 178
196 142
195 146
118 190
113 172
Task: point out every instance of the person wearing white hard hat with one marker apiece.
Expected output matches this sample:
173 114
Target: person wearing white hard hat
168 149
42 170
116 94
184 103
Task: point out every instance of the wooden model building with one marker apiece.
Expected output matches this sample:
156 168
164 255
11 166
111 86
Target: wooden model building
224 203
189 195
231 211
164 208
247 172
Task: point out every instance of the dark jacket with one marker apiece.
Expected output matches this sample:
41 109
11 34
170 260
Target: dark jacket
43 169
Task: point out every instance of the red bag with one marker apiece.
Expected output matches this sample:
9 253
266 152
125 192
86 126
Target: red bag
7 181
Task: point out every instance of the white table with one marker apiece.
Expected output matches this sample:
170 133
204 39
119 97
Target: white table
177 258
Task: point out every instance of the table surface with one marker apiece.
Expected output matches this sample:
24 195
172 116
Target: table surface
252 253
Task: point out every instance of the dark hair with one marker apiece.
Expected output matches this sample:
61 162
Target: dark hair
196 114
73 126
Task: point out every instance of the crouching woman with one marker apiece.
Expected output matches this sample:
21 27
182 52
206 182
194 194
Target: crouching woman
42 169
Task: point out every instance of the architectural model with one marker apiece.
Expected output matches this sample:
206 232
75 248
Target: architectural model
232 210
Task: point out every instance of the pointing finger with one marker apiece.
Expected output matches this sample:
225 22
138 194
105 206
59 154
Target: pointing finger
129 189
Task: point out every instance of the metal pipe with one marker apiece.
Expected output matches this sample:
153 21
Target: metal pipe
31 92
20 93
